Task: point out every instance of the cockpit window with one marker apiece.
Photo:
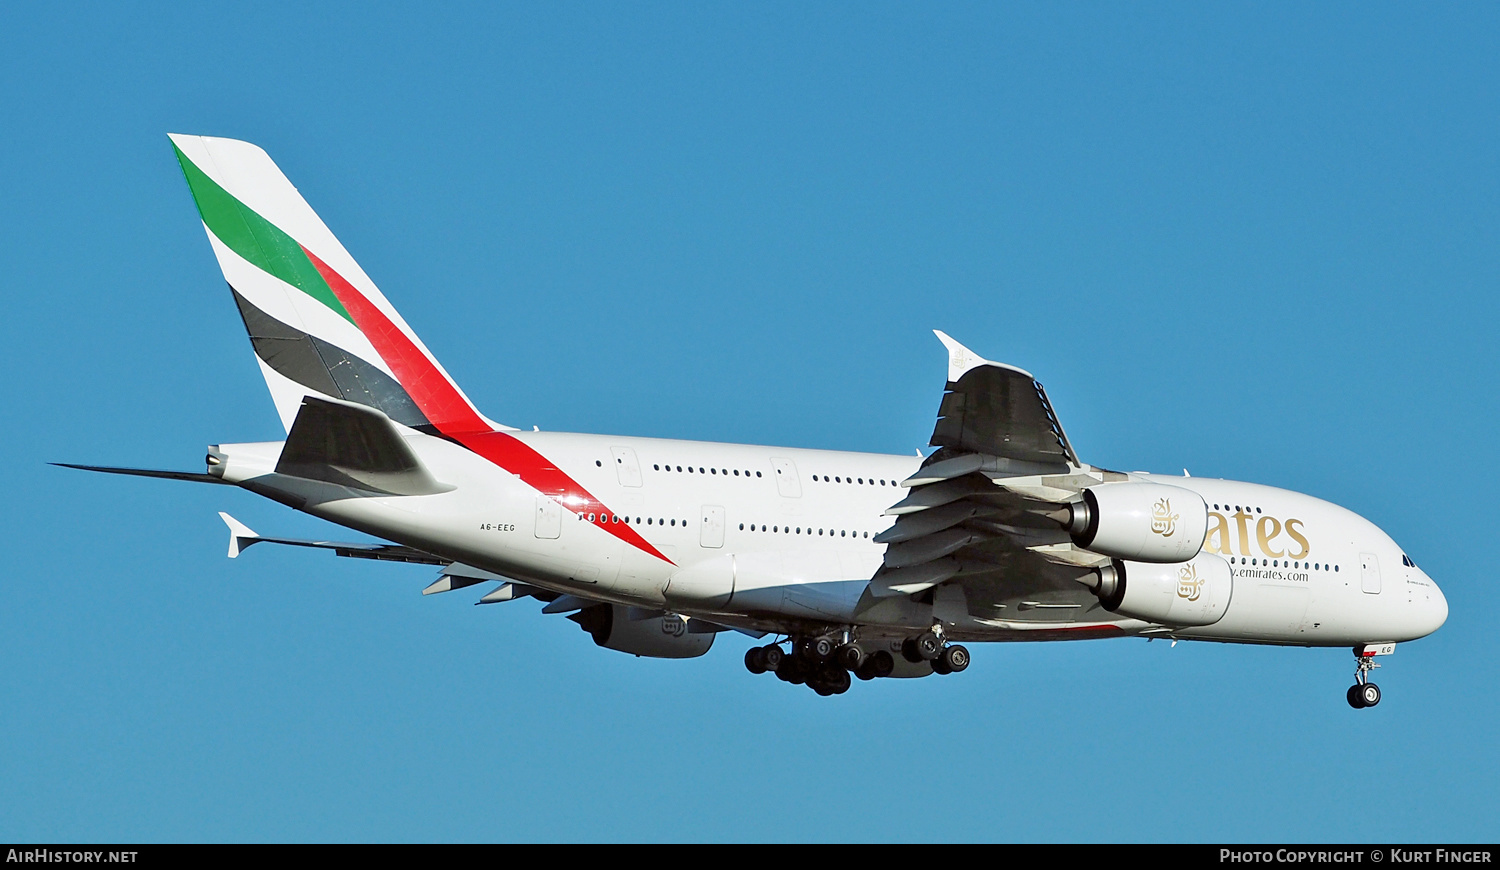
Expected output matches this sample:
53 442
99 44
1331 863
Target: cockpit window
1406 560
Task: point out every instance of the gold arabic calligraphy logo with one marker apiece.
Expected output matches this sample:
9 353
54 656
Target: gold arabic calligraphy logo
1189 584
1163 521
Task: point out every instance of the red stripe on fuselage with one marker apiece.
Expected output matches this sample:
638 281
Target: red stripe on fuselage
538 472
447 409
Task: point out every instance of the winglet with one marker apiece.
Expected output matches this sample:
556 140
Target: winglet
961 360
240 535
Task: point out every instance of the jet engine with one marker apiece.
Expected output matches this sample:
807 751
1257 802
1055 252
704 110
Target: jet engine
1140 522
653 634
1191 593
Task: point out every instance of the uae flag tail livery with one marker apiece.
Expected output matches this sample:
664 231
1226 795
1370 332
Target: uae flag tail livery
317 322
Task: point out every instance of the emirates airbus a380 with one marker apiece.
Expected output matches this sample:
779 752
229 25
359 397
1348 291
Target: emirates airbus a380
850 563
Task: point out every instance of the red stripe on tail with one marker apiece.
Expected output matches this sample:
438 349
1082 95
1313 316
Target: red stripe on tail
442 403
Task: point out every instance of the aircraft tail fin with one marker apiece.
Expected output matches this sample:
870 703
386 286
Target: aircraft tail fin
318 324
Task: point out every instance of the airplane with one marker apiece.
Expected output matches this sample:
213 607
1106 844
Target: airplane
856 565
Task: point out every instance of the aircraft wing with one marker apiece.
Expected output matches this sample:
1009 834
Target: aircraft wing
1000 412
987 512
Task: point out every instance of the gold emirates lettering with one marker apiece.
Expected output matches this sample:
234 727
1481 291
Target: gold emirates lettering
1221 536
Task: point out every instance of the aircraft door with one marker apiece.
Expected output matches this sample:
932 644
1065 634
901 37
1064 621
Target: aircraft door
548 517
787 482
626 465
1369 573
711 534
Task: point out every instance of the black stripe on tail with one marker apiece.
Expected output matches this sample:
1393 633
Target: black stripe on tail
326 368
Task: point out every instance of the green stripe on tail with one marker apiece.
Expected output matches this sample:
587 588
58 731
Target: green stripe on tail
256 239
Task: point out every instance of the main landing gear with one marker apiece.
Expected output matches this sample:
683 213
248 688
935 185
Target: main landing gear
930 647
825 665
1364 693
820 663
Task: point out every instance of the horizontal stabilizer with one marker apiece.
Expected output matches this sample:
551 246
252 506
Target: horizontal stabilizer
240 537
355 446
194 476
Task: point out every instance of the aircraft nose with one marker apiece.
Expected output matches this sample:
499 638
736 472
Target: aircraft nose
1440 606
1435 608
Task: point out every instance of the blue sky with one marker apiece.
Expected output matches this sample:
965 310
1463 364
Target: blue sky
1258 242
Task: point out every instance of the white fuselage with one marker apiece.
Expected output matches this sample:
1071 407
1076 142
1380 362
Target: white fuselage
776 539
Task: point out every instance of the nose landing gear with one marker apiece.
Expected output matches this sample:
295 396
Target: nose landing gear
1365 693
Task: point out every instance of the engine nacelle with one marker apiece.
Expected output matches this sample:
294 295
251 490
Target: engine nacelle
657 636
1191 593
1140 522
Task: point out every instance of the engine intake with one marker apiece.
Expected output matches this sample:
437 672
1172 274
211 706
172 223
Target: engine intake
1140 522
654 635
1191 593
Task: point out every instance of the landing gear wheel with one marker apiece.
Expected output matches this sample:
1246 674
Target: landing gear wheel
955 658
815 649
940 667
1369 695
835 679
1355 700
850 656
866 670
929 646
909 650
771 656
755 660
883 664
